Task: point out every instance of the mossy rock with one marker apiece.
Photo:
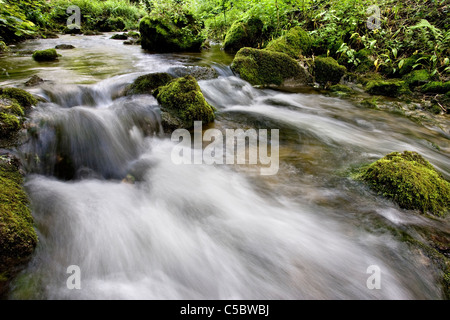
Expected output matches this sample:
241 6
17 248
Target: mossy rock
45 55
366 63
198 72
294 43
147 84
9 124
388 88
24 98
159 34
328 70
411 181
264 67
10 105
436 87
341 89
119 36
417 78
244 34
18 237
183 100
64 47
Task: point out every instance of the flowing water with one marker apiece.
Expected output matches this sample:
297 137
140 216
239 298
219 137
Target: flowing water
107 197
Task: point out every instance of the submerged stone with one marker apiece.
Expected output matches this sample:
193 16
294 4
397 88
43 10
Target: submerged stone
34 81
184 102
411 181
264 67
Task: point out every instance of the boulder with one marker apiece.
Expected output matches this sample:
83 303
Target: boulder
147 84
268 68
328 71
45 55
294 43
244 34
411 181
182 102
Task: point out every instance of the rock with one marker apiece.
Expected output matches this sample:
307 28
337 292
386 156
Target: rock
25 99
266 68
388 88
72 29
34 81
417 78
18 237
184 103
328 71
45 55
3 47
159 34
118 36
295 43
436 87
64 47
244 34
147 84
411 181
198 72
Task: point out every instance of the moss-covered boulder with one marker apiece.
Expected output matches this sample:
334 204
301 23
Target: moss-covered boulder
45 55
417 78
182 102
388 88
3 47
24 98
294 43
264 67
436 87
411 181
244 34
11 116
160 34
120 36
18 237
328 71
147 84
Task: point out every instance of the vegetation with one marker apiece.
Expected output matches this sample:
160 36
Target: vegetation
45 55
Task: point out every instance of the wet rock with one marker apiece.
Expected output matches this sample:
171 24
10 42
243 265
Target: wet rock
34 81
199 73
45 55
64 47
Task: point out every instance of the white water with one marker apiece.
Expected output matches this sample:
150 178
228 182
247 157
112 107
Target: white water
217 232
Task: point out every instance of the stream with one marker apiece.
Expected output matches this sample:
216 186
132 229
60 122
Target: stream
209 231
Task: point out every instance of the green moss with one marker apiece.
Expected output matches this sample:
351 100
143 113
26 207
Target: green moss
9 124
417 78
366 63
184 101
148 83
25 99
389 88
244 34
436 87
295 43
45 55
327 70
17 235
159 34
264 67
341 88
11 106
411 181
3 47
